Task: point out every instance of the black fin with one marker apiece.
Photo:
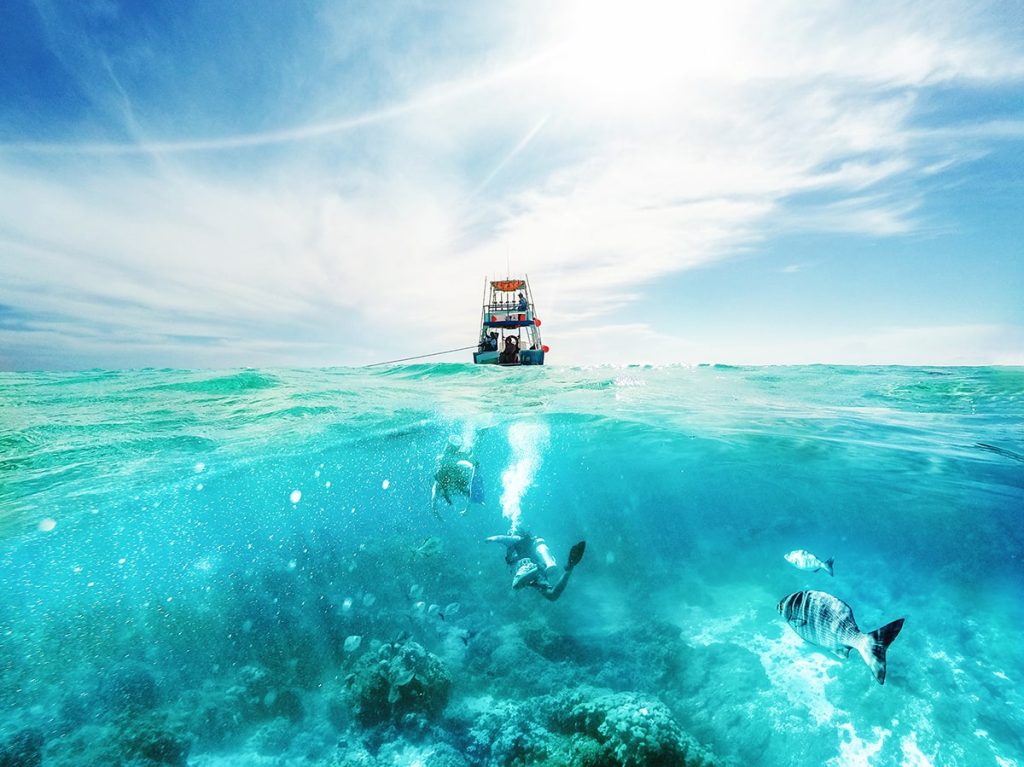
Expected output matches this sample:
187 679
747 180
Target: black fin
828 565
880 641
576 554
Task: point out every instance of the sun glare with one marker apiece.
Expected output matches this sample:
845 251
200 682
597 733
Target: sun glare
638 54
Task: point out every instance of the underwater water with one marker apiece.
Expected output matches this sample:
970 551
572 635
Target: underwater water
243 568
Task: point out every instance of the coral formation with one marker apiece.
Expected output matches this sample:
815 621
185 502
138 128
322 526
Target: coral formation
583 728
147 740
151 741
397 683
433 755
22 749
126 687
630 730
508 734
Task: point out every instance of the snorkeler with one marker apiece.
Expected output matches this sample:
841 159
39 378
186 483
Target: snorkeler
531 563
453 478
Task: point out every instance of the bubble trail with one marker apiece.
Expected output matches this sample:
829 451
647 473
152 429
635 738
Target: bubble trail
527 441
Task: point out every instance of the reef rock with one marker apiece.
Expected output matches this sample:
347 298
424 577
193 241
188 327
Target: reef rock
23 749
148 740
582 727
507 735
629 730
127 687
401 683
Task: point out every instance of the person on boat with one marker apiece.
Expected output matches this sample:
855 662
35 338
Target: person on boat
523 303
510 355
492 341
531 563
453 477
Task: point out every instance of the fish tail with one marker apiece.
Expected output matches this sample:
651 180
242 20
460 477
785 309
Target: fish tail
828 565
878 642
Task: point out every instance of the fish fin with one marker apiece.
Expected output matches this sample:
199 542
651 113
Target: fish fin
842 653
878 642
828 565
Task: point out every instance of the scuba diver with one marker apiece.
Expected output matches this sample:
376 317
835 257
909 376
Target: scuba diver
453 478
531 563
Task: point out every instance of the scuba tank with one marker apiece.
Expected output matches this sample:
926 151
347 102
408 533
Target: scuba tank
544 557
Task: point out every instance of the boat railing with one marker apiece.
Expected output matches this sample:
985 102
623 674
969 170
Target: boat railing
507 306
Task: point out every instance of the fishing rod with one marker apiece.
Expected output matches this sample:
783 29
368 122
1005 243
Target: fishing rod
421 356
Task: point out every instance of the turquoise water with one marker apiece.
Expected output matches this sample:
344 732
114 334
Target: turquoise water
241 568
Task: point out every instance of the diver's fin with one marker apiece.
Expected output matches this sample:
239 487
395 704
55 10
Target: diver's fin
828 565
576 554
878 642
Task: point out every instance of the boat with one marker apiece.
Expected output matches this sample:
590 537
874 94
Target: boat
509 325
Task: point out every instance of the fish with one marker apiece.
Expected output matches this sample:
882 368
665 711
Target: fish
827 621
805 560
430 547
449 610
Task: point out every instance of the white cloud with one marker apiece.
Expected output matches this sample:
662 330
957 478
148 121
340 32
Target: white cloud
629 143
918 345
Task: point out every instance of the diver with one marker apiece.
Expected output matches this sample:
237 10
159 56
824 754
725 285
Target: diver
453 478
531 563
510 356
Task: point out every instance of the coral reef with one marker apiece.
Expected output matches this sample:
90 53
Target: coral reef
151 741
224 708
509 735
22 749
630 730
147 740
433 755
128 687
583 728
398 683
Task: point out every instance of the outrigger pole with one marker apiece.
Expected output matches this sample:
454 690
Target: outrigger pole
420 356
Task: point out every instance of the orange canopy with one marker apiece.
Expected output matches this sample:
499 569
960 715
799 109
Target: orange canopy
507 285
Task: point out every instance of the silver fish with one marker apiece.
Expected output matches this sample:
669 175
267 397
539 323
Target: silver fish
805 560
826 621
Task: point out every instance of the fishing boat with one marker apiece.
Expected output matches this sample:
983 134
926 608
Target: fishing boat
509 326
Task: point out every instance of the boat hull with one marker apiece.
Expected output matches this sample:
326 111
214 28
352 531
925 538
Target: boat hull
526 357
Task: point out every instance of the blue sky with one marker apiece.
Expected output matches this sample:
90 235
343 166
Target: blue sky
219 184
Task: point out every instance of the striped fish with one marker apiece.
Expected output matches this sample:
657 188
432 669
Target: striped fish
805 560
826 621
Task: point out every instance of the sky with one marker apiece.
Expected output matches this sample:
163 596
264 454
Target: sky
219 184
